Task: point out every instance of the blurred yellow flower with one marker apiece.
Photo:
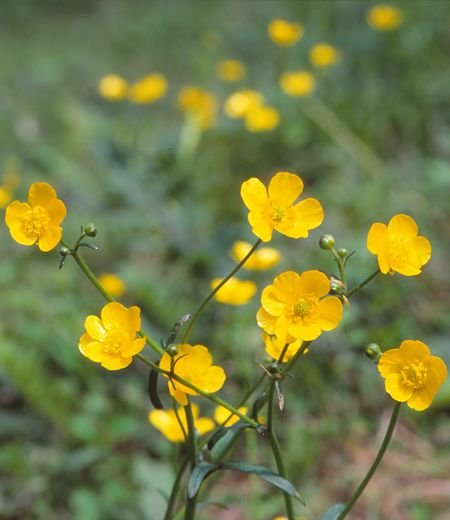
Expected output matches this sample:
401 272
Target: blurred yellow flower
262 259
224 417
235 291
297 306
113 87
275 346
148 89
111 339
5 196
299 83
239 103
397 246
194 364
167 423
199 104
262 119
384 17
284 33
113 284
38 220
274 208
411 374
231 70
324 55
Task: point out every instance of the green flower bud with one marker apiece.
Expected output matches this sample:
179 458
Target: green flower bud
64 251
342 252
373 351
326 241
90 230
172 350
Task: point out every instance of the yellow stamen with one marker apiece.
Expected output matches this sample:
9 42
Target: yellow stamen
414 374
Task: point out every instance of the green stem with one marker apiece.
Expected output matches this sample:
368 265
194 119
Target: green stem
270 406
192 451
375 464
175 488
360 285
341 266
205 302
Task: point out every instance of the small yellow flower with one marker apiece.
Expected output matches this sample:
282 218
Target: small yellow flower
38 220
299 83
113 87
274 208
324 55
148 90
297 306
231 70
411 374
240 103
194 364
235 291
5 196
224 417
262 259
397 246
384 17
113 284
284 33
275 346
111 339
262 119
199 104
167 423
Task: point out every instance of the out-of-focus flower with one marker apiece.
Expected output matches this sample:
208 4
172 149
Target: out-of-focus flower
112 340
411 374
384 17
284 33
262 119
38 220
5 196
324 55
194 364
239 103
397 246
231 70
113 87
299 83
148 90
167 422
113 284
274 208
199 104
224 417
235 291
275 347
261 260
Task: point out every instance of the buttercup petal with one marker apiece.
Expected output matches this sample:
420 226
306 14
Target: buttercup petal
271 302
266 321
116 363
377 239
330 313
134 347
413 350
304 332
422 398
315 282
254 194
114 314
440 369
15 212
204 425
213 379
291 225
94 350
402 226
57 212
395 388
390 362
41 194
284 189
94 327
50 239
261 226
309 213
419 251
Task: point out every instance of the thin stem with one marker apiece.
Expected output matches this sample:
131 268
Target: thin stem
281 471
375 464
270 406
175 489
192 450
360 285
205 302
341 266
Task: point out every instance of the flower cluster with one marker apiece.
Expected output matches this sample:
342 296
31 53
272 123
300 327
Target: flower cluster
147 90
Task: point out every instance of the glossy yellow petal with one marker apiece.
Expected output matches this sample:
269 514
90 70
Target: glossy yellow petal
271 303
50 239
254 194
309 213
284 189
261 259
116 363
390 362
15 212
261 226
179 396
304 332
402 226
204 425
134 347
419 251
315 282
266 321
439 367
234 291
94 327
41 194
287 286
377 238
115 315
395 388
84 340
330 313
413 350
57 212
213 379
94 350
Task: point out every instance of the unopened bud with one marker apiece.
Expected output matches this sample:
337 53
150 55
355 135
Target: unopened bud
326 241
64 251
90 230
342 252
337 286
172 350
373 351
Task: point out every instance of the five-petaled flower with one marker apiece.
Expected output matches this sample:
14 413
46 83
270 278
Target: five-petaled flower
262 259
397 246
38 220
274 208
284 33
234 291
111 339
194 365
296 306
411 374
275 347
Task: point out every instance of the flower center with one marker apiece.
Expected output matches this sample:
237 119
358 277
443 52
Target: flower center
304 307
114 341
414 374
277 215
398 251
35 222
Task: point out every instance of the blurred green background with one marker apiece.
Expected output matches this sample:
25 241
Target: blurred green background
75 440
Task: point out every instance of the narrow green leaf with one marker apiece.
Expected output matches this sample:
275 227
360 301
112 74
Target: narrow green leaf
199 473
333 512
153 389
221 432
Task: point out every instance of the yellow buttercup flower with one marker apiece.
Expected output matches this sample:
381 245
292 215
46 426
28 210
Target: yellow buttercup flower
299 83
240 103
284 33
38 220
231 70
224 417
5 196
235 291
199 104
275 346
262 119
274 208
113 87
168 424
297 306
324 55
113 284
194 364
111 339
262 259
411 374
397 246
148 90
384 17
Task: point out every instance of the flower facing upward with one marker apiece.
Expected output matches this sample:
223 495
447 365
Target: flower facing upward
148 89
113 284
111 339
198 104
296 307
324 55
284 33
298 84
274 208
38 220
224 417
262 119
384 17
240 103
234 291
262 259
231 70
194 364
397 246
411 374
113 87
166 421
275 347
